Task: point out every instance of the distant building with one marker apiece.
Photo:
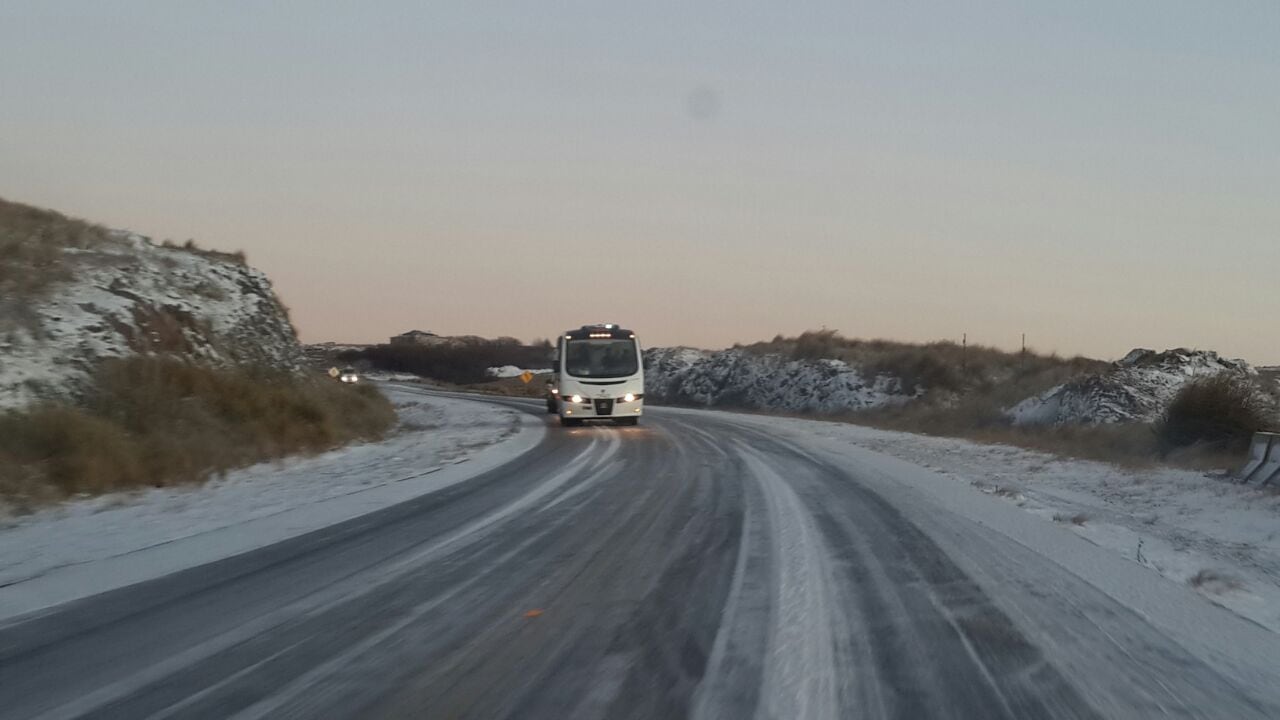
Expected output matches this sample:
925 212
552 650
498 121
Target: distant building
418 337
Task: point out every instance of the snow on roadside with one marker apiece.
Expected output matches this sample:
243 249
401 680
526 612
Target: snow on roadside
1196 529
510 371
94 544
385 376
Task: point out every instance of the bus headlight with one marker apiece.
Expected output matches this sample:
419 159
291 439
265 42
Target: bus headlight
629 397
576 398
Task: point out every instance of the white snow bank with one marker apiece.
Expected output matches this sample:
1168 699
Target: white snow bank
510 371
96 544
384 376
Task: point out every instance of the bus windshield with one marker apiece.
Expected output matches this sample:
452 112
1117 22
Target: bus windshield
603 358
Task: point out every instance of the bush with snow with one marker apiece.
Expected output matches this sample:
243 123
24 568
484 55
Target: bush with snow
1220 412
1136 388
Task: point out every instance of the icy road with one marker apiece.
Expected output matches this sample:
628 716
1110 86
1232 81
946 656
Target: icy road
701 565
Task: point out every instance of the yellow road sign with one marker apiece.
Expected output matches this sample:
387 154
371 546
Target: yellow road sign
526 376
333 372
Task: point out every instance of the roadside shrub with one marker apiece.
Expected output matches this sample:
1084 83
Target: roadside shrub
982 419
1220 412
71 450
156 422
918 368
817 344
237 256
461 363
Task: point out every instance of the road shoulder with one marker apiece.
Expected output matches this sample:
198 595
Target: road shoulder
92 545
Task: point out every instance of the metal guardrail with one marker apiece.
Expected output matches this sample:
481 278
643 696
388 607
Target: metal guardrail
1264 459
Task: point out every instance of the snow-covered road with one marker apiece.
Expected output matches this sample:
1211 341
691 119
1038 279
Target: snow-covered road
1202 530
703 564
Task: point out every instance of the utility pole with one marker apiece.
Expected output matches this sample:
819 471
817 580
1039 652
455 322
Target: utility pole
964 352
1023 363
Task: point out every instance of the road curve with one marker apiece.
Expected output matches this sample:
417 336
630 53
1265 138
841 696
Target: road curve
690 567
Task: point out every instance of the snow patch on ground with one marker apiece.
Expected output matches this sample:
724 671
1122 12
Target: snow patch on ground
384 376
91 545
510 371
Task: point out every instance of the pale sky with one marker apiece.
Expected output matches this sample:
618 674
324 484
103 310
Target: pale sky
1100 175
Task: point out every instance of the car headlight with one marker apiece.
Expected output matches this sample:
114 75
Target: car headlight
576 398
629 397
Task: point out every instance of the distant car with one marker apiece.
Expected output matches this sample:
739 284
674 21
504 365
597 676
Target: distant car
349 375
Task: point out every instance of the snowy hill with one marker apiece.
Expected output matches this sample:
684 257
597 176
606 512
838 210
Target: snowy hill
1137 388
1134 389
737 378
116 294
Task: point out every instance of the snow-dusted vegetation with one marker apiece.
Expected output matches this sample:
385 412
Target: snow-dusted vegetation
1137 388
1073 406
126 363
76 294
739 378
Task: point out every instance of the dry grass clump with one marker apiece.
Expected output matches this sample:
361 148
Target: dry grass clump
31 245
54 451
238 257
1220 413
1215 582
938 366
157 422
32 241
1079 519
981 418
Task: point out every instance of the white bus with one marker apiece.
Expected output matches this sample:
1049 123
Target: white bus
599 376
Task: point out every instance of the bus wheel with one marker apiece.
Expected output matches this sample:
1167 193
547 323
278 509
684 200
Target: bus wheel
629 421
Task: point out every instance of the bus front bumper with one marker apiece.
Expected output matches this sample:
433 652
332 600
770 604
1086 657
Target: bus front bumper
591 408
